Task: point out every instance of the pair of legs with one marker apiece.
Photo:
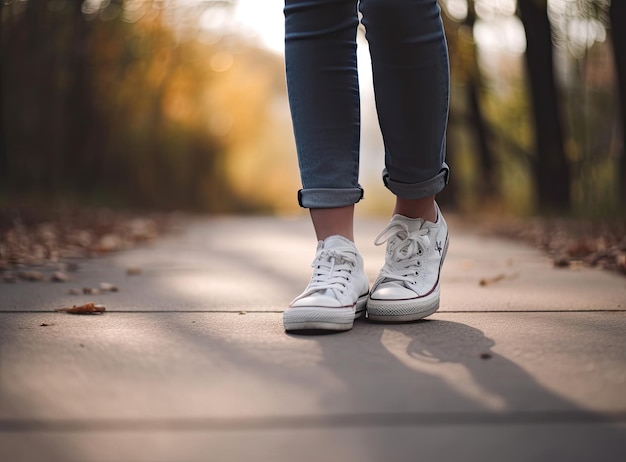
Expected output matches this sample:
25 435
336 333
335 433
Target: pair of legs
411 83
340 220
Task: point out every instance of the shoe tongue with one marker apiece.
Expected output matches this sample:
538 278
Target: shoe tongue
413 224
335 242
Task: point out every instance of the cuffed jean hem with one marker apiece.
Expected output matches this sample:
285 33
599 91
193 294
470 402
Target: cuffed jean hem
419 190
326 198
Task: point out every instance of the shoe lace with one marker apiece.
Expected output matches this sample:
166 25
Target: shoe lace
332 269
404 251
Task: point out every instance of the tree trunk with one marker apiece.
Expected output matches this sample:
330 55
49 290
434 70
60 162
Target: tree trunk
79 110
478 126
4 164
551 169
617 16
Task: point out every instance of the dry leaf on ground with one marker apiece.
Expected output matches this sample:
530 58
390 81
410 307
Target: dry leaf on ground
59 276
500 277
108 287
87 308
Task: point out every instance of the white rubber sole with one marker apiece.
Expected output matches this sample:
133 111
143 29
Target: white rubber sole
403 310
322 318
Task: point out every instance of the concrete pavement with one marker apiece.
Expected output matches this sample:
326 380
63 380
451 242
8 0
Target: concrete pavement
190 362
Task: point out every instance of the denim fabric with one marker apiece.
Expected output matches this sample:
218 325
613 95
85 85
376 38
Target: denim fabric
411 84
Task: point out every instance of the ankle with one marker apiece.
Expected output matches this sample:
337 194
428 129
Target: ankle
333 222
417 208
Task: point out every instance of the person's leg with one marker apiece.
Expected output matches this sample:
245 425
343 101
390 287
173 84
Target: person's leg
322 83
411 82
323 90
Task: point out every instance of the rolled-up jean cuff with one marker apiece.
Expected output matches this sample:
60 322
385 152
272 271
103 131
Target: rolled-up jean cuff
326 198
419 190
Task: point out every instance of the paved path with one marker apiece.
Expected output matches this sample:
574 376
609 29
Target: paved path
190 362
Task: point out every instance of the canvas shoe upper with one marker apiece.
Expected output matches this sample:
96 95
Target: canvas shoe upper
407 287
337 292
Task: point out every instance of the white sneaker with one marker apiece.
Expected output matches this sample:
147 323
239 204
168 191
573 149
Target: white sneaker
337 292
407 287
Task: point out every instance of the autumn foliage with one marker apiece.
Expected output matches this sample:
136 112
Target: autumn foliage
104 109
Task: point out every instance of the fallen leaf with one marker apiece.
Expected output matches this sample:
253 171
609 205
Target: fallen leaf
108 287
108 243
561 262
90 291
133 270
59 276
621 262
576 264
487 281
87 308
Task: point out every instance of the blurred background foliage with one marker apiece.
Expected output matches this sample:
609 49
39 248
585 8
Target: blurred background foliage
535 123
127 103
162 105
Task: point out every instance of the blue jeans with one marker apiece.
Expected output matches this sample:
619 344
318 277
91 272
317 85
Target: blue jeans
411 83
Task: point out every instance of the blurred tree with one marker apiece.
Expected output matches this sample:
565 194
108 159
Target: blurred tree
476 117
571 162
617 17
81 163
3 149
551 169
133 102
469 137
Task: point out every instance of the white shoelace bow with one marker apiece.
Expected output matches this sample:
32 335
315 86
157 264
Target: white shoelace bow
332 269
404 251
